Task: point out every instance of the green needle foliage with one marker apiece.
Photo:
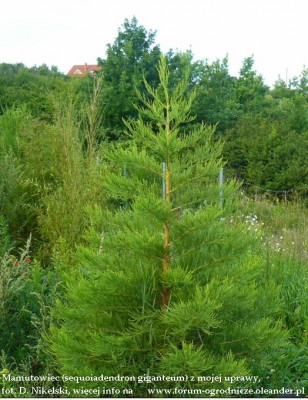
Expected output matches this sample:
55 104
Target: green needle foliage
166 285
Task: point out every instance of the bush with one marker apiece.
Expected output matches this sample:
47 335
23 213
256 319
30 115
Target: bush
27 293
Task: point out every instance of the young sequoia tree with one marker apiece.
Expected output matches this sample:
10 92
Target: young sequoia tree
166 285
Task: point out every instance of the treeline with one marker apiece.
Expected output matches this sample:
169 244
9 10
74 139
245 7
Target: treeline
264 129
120 253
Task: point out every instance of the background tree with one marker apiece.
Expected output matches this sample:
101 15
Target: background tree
216 99
266 145
250 87
130 58
30 88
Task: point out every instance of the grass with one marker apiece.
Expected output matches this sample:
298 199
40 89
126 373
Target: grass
285 225
282 227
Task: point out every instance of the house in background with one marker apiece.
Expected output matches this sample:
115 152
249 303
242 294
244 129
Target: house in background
80 71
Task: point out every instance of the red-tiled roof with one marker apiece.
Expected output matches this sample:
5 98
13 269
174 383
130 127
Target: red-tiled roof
82 70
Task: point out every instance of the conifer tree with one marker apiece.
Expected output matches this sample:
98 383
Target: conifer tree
166 285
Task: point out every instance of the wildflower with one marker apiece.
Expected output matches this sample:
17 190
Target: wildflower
28 259
16 263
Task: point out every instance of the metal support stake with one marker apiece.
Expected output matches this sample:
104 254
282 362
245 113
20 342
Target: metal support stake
221 192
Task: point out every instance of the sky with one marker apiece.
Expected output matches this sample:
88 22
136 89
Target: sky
68 32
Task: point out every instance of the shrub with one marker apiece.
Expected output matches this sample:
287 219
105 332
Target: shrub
27 293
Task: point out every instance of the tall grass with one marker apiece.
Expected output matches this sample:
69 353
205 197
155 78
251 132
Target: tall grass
283 231
285 224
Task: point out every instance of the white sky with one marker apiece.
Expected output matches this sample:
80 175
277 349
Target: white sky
68 32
